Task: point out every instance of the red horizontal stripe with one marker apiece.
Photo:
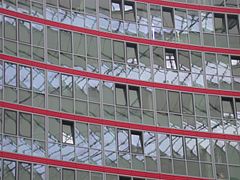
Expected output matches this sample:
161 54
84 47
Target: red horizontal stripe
199 7
118 79
117 123
118 36
88 167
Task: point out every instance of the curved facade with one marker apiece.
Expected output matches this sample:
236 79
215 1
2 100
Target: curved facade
119 89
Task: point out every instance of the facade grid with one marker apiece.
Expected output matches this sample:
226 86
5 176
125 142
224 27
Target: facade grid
119 89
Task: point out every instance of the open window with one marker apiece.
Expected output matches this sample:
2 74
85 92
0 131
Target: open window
136 142
121 94
168 18
67 132
170 58
235 61
238 107
117 9
129 11
134 96
228 107
132 57
219 23
233 24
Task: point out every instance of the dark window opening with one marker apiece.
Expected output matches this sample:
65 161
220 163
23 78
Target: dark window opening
121 94
136 142
228 107
168 18
219 23
67 132
170 58
132 57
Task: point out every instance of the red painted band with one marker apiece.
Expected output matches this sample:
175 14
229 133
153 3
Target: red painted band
118 79
118 124
118 36
199 7
88 167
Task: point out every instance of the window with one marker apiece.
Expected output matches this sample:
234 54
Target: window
24 171
68 132
68 174
207 22
228 107
24 31
53 83
10 122
238 108
187 103
9 170
118 51
121 94
10 74
177 147
67 85
25 77
25 123
132 57
124 178
10 29
65 41
184 60
168 18
92 46
170 58
38 78
136 142
104 8
158 57
174 101
123 140
235 61
134 96
117 9
214 105
129 11
219 23
233 24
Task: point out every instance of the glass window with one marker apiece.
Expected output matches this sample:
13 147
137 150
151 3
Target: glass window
25 123
94 90
219 23
92 46
150 144
38 127
124 178
9 170
52 38
121 94
193 21
132 57
67 85
104 7
168 18
54 173
177 147
38 82
25 77
134 96
90 6
24 31
54 131
207 22
142 15
233 24
118 51
79 43
129 11
81 134
187 103
53 83
117 9
68 132
37 34
200 105
123 140
95 137
214 105
235 61
219 151
136 142
228 107
65 4
147 98
191 148
66 41
10 29
10 122
109 138
68 174
10 74
170 58
184 60
24 171
158 57
174 101
181 20
106 49
238 108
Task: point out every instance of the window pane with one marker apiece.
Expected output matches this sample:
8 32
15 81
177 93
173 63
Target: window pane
228 107
174 101
25 122
118 51
10 29
123 140
54 173
200 105
233 24
177 147
38 76
66 41
92 48
54 132
39 127
187 103
117 9
9 170
68 174
109 139
10 122
168 18
53 83
24 31
68 132
219 23
24 171
132 52
52 37
235 61
134 96
137 142
191 148
184 60
81 134
10 74
95 140
106 49
129 11
25 77
67 85
121 94
207 21
214 105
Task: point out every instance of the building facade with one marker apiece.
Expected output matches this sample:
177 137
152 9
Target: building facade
119 89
